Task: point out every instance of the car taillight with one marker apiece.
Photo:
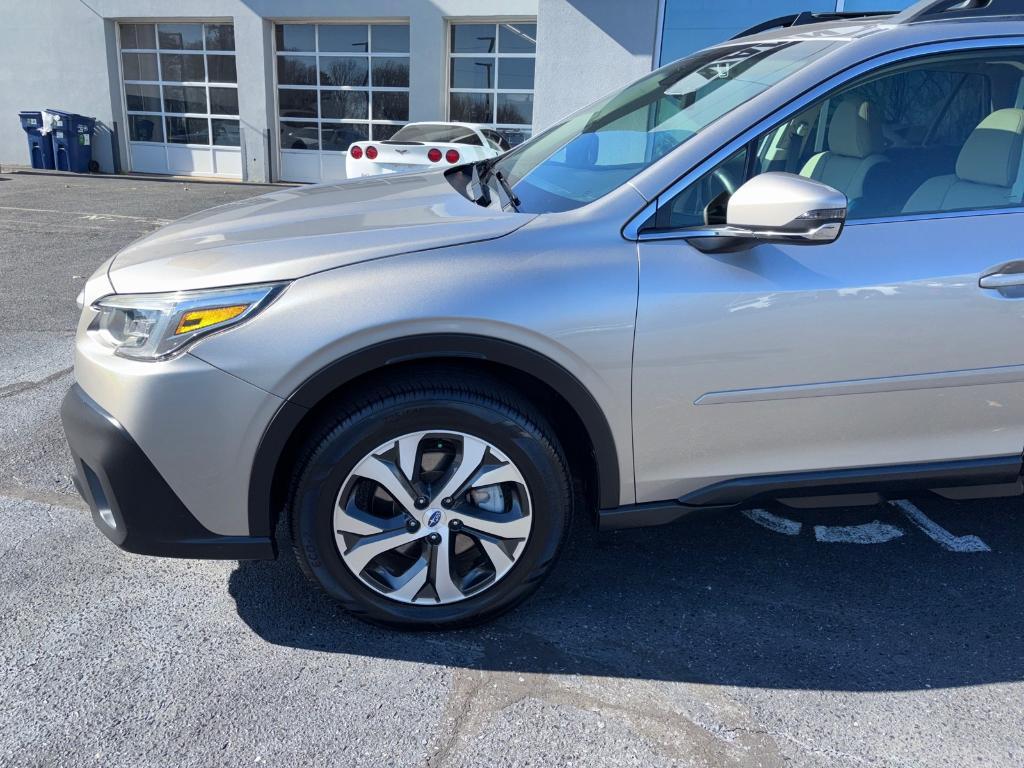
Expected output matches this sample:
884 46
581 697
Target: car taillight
452 156
371 153
355 151
434 155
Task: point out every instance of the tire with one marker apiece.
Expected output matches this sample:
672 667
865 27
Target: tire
447 415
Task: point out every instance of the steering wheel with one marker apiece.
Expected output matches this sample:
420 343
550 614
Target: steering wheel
722 176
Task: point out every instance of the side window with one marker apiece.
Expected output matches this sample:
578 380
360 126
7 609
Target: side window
495 140
696 205
470 137
943 133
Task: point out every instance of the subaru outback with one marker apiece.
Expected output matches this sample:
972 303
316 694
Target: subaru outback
786 267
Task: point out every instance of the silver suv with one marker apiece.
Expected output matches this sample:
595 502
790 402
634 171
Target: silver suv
788 267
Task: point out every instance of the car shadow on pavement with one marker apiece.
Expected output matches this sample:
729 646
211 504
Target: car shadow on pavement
716 600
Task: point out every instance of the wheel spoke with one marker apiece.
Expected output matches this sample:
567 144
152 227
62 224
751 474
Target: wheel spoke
387 475
499 558
351 519
412 581
443 582
473 452
502 473
407 448
500 524
363 551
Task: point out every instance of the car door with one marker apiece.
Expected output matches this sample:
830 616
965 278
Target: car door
893 347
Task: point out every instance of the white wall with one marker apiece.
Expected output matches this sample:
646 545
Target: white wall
53 54
586 48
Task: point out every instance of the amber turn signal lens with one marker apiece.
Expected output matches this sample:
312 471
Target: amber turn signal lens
198 319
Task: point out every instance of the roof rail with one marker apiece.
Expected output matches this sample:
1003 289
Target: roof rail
940 10
807 17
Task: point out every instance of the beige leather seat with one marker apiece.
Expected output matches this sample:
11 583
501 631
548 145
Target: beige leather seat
986 170
854 153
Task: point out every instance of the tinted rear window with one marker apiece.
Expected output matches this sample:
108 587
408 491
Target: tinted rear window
439 134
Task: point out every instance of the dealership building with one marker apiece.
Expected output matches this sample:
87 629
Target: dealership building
276 90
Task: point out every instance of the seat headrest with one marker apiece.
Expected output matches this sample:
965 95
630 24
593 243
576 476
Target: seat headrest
856 129
992 153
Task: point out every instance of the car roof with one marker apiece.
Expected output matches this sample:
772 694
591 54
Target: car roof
858 40
871 35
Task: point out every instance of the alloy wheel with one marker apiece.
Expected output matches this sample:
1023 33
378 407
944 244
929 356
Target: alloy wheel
432 517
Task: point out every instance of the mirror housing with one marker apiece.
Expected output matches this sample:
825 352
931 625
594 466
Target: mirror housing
777 208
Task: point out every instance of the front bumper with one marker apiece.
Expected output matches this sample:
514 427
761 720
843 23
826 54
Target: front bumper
131 503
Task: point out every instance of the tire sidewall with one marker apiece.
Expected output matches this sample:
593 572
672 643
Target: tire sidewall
518 438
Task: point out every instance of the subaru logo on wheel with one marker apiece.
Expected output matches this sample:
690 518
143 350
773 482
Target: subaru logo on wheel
434 519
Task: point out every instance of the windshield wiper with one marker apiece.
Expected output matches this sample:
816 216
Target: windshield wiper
505 186
479 189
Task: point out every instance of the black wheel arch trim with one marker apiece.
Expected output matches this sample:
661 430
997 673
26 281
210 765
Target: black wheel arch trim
427 347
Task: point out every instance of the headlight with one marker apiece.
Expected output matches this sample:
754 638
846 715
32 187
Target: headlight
153 326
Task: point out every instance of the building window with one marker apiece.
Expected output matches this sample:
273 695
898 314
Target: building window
340 83
491 75
180 83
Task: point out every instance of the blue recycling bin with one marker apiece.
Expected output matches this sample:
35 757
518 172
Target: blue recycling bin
40 148
72 141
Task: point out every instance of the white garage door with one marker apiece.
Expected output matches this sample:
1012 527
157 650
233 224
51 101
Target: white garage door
337 83
181 98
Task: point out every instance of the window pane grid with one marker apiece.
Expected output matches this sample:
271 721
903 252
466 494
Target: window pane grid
164 52
483 91
343 67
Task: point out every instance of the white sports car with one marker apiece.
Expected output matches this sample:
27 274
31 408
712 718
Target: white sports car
418 146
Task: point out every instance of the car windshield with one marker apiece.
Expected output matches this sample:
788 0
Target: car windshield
437 134
599 148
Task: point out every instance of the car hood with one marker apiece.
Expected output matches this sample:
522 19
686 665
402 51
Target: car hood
295 232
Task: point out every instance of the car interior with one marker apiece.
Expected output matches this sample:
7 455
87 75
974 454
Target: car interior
936 136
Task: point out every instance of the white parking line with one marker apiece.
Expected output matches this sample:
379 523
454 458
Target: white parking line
868 533
88 215
937 533
773 522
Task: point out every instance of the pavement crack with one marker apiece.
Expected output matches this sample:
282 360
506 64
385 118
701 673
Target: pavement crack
460 709
20 387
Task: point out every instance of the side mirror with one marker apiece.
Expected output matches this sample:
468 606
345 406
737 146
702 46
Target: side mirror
777 208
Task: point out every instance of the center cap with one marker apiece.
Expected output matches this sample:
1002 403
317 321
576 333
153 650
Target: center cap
433 518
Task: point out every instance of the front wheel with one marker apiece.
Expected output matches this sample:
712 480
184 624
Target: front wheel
432 504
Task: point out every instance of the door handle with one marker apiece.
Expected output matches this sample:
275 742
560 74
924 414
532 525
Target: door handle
1002 280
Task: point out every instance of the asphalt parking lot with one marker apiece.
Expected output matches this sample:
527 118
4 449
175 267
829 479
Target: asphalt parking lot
881 636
